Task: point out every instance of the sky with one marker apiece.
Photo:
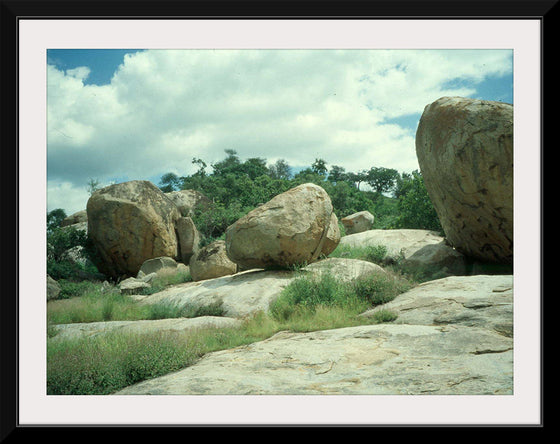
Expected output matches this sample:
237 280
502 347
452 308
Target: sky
132 114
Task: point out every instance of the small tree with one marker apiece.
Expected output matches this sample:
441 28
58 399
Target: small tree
92 185
280 170
319 167
381 179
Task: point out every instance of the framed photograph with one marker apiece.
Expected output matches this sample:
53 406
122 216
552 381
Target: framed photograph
244 103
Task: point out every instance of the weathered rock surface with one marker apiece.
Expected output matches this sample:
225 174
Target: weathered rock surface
400 244
211 262
473 301
438 258
158 264
187 201
238 295
465 152
248 292
289 229
132 285
386 359
129 223
333 237
76 218
53 288
358 222
94 329
188 237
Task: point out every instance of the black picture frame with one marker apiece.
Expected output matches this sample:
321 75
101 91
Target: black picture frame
13 11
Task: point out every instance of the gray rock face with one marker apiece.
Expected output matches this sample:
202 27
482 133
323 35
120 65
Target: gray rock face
289 229
473 301
248 292
158 264
400 244
94 329
366 360
130 223
465 152
358 222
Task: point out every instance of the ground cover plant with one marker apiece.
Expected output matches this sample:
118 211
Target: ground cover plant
103 365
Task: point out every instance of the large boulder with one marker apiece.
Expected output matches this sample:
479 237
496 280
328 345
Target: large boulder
358 222
465 152
289 229
129 223
211 262
188 201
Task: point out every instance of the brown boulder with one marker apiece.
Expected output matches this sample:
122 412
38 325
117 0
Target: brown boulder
211 262
465 152
130 223
290 229
358 222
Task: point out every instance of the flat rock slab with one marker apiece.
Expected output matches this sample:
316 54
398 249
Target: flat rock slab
476 301
385 359
405 242
251 291
93 329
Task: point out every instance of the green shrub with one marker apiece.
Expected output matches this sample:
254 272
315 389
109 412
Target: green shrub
99 366
305 294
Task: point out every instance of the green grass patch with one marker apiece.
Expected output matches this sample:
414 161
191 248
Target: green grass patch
106 364
371 253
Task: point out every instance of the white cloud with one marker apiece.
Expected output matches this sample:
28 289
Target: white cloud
162 108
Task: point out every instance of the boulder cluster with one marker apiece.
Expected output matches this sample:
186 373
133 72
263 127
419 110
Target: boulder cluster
453 334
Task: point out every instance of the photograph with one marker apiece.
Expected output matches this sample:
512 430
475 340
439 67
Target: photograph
279 222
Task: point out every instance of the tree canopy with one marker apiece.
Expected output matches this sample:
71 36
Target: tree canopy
236 186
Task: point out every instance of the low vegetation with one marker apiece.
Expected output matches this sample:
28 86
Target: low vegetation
103 365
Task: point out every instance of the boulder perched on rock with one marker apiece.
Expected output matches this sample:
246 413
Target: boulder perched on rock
211 262
289 229
358 222
129 223
53 288
465 152
76 218
188 201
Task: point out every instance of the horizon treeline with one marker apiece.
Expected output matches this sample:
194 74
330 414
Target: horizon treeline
236 186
